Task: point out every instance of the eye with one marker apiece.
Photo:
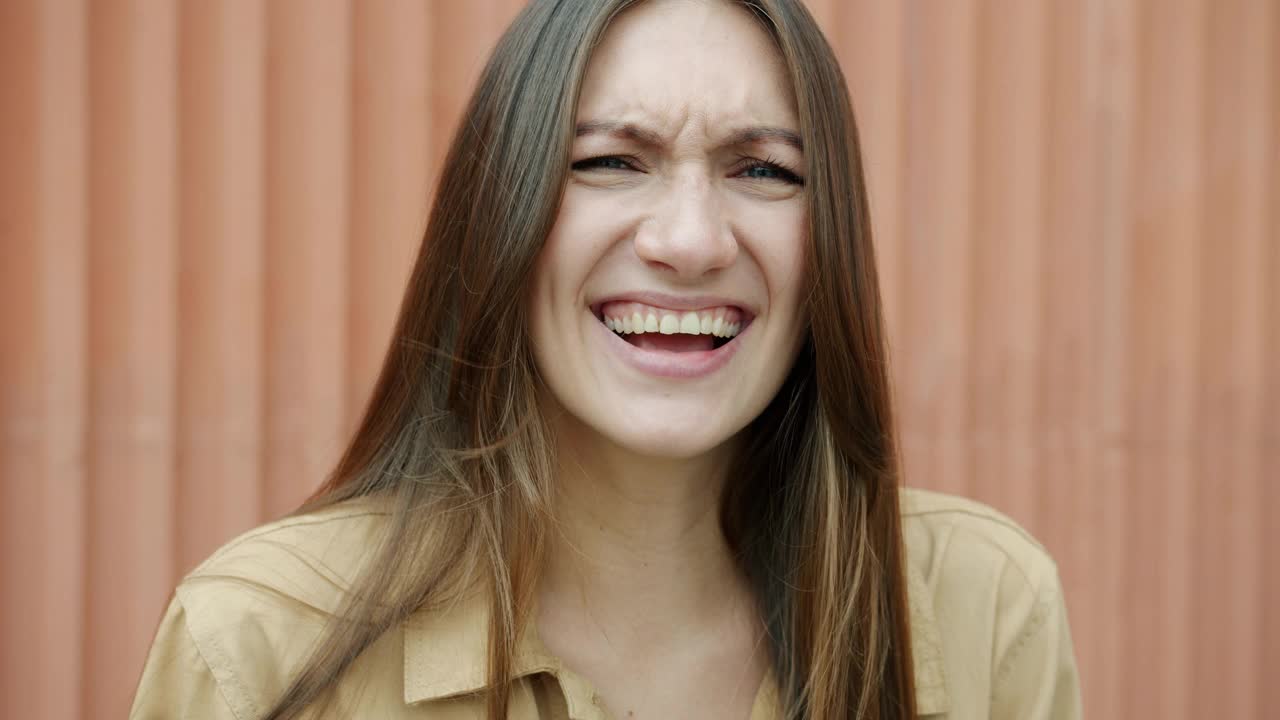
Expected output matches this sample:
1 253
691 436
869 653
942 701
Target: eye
604 162
754 169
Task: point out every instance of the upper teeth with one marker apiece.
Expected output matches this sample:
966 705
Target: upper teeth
630 317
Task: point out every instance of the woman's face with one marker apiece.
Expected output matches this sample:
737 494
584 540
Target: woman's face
683 222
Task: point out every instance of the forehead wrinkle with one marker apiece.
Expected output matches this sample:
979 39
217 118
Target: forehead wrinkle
662 123
635 121
648 137
657 72
713 102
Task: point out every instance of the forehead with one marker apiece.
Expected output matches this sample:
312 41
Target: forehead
673 64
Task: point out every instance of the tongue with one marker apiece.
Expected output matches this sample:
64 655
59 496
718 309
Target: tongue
678 342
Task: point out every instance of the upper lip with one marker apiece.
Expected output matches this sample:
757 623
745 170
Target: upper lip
674 302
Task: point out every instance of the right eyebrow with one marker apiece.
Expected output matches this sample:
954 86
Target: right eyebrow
628 131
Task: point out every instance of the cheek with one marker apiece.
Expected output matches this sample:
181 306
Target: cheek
778 239
795 248
576 244
782 249
540 298
555 268
576 241
546 298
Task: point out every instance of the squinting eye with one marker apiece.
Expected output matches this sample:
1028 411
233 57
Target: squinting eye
762 170
609 162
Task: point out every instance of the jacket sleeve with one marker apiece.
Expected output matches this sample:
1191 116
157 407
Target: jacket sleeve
1037 677
177 682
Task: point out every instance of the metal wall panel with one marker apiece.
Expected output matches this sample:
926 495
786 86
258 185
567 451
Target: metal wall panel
207 213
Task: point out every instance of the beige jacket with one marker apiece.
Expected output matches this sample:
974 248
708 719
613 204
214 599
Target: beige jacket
989 630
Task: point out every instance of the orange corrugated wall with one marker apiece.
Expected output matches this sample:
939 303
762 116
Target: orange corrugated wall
208 210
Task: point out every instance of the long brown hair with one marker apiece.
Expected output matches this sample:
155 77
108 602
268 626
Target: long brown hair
454 442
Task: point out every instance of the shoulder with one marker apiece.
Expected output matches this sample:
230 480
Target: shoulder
239 625
950 535
299 554
994 609
252 612
292 571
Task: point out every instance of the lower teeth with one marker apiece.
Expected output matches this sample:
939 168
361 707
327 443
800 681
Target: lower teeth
716 342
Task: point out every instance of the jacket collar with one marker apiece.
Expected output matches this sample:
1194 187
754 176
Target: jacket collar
445 651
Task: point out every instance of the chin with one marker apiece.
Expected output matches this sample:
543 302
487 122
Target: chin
667 445
669 435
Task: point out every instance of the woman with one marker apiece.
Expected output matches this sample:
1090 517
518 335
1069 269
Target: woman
631 453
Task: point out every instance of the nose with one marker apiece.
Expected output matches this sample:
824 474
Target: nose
688 235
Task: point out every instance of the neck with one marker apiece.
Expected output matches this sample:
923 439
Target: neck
637 546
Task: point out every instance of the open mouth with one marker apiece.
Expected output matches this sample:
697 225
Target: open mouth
673 331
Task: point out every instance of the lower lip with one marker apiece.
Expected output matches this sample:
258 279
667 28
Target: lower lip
661 363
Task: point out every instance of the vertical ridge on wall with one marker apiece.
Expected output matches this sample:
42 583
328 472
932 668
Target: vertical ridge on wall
132 296
307 216
63 211
220 276
1005 256
1068 476
1270 390
462 34
1116 22
868 39
23 402
42 357
1168 192
391 124
937 243
1230 515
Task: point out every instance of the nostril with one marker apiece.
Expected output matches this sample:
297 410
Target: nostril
661 266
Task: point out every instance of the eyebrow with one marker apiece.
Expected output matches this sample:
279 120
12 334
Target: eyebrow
644 136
